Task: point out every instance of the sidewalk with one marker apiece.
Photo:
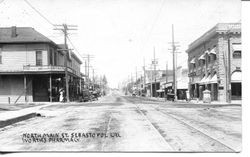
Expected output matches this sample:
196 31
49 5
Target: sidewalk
237 102
12 114
14 107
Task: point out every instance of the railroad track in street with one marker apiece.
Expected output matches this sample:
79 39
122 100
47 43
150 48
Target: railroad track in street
151 124
195 131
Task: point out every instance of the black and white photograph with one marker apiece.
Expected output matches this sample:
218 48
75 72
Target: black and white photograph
121 76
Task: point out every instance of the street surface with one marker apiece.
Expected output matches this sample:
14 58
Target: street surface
125 123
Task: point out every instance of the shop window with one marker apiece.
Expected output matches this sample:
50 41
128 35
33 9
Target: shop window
237 54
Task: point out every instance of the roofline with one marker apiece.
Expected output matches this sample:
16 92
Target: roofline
77 59
32 42
212 32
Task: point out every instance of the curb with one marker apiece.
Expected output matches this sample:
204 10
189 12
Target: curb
17 119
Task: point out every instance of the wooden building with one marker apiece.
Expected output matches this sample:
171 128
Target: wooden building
32 67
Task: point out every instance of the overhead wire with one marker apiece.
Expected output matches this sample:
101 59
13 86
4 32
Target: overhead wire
154 23
74 47
37 11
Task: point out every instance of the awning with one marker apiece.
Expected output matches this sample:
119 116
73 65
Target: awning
208 79
192 61
214 79
236 76
202 57
203 80
236 47
213 51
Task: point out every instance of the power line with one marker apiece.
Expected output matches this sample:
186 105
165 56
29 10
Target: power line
154 23
74 46
27 2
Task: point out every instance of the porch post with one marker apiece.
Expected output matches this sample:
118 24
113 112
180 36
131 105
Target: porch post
25 88
50 87
80 85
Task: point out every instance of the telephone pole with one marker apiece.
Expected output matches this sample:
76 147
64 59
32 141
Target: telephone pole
154 64
65 28
87 58
174 87
136 82
173 49
144 77
165 91
166 72
93 78
229 70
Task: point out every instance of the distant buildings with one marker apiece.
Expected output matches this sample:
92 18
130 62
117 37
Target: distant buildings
160 82
208 63
32 67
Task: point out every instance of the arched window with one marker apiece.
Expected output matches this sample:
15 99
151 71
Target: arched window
237 54
236 50
236 76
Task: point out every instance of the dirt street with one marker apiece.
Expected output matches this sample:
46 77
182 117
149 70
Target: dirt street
126 123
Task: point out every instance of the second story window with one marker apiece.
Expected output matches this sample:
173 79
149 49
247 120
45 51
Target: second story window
237 54
208 59
236 50
55 58
39 59
202 62
192 63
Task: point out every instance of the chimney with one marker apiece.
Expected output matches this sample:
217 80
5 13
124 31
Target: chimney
13 31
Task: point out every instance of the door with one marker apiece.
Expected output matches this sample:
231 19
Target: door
40 89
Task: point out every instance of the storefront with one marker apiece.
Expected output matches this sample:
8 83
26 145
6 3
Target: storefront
182 87
236 85
209 83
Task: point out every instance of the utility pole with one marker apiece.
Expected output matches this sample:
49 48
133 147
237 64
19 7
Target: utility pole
93 78
136 83
173 49
65 28
166 72
154 62
144 79
165 92
86 72
87 67
151 87
229 70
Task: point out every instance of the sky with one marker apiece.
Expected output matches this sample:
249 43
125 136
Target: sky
120 34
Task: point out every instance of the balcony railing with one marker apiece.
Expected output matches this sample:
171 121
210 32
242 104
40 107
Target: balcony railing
46 68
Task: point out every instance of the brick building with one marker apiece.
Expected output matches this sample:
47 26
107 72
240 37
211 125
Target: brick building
32 67
208 62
